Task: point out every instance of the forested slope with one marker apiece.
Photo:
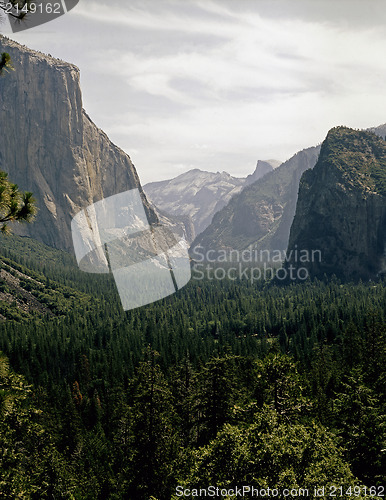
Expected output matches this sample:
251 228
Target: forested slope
225 383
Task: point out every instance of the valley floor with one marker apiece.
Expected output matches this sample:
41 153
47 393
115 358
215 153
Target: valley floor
226 383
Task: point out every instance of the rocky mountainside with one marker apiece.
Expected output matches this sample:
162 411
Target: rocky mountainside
51 147
380 130
341 209
261 214
195 196
37 281
262 168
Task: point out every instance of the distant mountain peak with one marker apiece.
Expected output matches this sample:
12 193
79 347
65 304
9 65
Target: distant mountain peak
198 194
262 167
195 195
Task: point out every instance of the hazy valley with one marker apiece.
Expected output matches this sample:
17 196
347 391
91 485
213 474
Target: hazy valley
230 380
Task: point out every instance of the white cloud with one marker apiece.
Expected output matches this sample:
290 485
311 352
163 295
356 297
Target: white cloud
163 77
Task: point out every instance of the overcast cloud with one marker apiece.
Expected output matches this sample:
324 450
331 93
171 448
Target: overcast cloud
217 84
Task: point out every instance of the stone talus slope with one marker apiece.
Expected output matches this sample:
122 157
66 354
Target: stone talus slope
341 208
51 147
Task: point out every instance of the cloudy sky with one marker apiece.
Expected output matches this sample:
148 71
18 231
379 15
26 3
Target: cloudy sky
219 84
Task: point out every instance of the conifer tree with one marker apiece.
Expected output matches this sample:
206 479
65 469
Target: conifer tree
15 206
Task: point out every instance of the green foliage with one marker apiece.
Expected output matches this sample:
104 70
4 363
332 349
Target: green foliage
15 206
360 155
5 62
29 294
359 415
271 454
223 382
30 465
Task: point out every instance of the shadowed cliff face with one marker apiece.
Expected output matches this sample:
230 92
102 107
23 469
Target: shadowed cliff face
260 216
341 208
51 147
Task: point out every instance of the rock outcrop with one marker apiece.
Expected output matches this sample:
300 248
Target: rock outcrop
49 145
262 168
341 208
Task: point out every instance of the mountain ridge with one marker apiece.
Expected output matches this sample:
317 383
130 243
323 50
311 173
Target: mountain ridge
260 215
196 195
341 208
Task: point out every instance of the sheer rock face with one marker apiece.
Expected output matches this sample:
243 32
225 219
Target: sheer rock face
51 147
341 208
262 168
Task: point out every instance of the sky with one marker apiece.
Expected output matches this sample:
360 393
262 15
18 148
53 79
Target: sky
220 84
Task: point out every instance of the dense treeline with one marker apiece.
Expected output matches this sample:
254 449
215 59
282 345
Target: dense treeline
225 383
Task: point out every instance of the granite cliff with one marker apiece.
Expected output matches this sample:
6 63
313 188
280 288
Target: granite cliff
51 147
341 208
262 168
